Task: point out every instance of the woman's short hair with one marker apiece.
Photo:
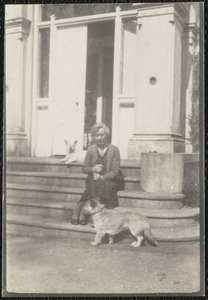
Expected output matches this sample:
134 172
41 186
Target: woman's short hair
95 128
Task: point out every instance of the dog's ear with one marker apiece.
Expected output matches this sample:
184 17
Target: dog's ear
96 201
66 142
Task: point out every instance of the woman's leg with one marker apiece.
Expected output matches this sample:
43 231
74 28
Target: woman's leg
81 202
78 216
113 199
107 192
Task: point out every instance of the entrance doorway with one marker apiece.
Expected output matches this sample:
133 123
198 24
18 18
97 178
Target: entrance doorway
99 77
80 86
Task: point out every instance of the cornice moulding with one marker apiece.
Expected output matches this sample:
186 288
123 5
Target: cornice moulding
18 25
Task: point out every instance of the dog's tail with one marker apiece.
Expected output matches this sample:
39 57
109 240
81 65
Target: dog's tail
150 238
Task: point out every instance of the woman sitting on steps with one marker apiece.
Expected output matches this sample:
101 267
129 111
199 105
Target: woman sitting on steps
102 164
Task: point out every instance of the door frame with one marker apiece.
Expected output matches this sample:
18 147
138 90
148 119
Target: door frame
48 103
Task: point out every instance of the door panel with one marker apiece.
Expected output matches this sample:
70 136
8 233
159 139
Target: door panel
70 76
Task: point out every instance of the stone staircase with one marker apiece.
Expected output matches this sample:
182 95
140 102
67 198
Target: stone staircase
42 192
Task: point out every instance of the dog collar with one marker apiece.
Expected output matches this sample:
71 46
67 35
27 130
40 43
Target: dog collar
98 211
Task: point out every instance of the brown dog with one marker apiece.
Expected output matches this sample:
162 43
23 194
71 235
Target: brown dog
114 221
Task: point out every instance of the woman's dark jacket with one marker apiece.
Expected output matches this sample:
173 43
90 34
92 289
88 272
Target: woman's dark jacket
112 164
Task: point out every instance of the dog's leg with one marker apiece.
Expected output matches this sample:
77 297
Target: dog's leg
133 243
111 239
98 238
138 242
136 233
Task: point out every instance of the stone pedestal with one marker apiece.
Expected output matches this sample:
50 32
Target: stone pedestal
162 172
158 104
161 143
17 144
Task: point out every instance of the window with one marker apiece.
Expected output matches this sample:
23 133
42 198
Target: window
64 11
44 42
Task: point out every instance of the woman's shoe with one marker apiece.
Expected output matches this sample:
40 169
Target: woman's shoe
82 219
75 218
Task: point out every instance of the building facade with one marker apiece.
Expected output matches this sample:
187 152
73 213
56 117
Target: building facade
130 66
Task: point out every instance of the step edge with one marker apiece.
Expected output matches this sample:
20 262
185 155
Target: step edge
149 215
134 164
44 188
123 194
46 174
51 225
83 229
150 196
62 175
41 207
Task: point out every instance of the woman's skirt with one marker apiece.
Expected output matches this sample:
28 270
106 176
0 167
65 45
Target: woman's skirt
105 191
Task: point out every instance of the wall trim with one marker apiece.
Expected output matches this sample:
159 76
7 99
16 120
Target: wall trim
18 26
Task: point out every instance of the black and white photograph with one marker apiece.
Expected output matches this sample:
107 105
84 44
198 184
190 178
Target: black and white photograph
103 134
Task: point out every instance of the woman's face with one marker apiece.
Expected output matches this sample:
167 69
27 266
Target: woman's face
101 138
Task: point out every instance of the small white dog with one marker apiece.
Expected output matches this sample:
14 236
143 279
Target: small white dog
72 154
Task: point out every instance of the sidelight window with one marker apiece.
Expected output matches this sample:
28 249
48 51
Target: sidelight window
44 52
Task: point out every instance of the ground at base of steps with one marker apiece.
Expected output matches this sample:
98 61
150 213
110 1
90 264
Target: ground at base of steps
74 266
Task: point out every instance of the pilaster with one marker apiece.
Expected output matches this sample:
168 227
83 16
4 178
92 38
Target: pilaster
17 31
190 54
158 80
116 77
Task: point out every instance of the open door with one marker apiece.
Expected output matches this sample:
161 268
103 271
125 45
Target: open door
99 77
70 77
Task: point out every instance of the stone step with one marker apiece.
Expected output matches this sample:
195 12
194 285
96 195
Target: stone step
51 227
60 179
131 198
62 210
134 198
34 164
51 192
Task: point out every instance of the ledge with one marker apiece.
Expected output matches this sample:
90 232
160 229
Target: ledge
125 163
18 26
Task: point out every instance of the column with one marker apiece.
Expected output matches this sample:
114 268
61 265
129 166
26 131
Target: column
158 117
17 30
116 77
191 63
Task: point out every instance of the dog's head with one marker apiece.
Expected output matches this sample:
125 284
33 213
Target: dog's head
93 206
70 146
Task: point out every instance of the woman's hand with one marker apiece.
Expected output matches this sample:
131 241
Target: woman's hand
98 168
96 176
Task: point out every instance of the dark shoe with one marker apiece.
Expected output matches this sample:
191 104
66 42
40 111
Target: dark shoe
75 218
82 219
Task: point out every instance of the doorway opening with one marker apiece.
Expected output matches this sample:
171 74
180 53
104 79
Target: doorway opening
99 77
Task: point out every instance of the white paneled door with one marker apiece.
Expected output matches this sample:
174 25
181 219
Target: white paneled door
69 86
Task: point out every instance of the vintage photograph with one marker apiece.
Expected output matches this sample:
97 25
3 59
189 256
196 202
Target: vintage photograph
103 188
